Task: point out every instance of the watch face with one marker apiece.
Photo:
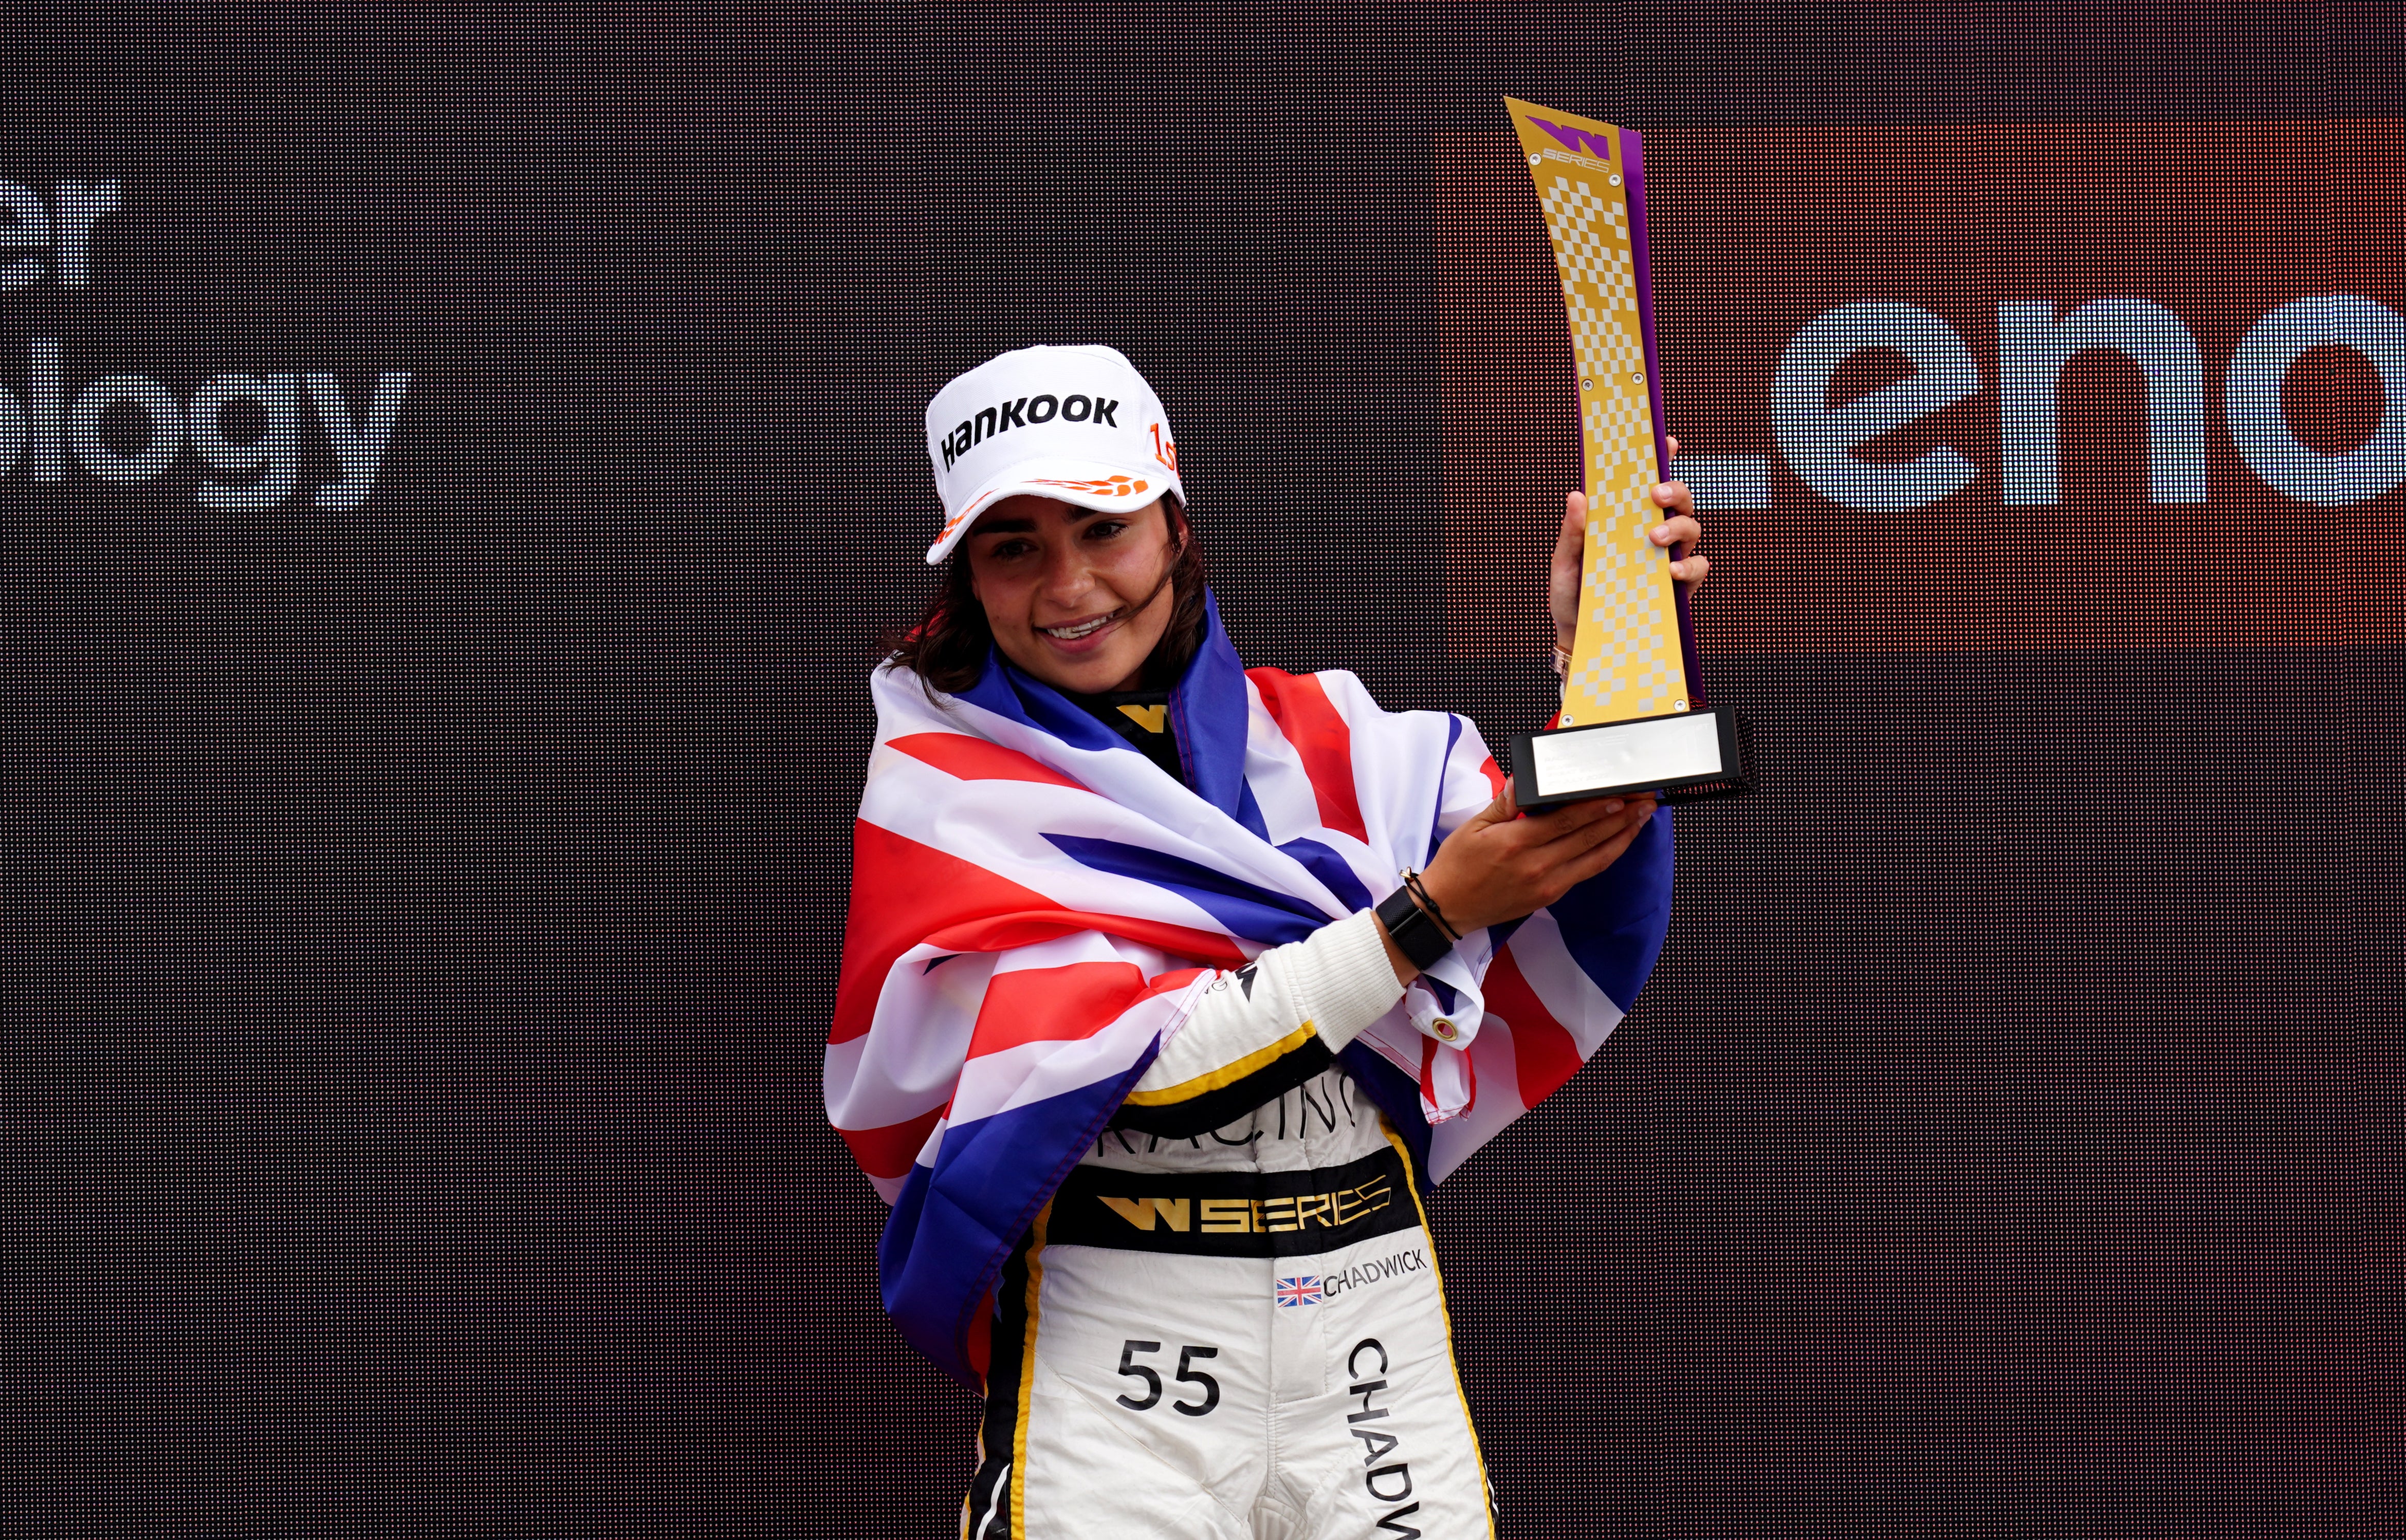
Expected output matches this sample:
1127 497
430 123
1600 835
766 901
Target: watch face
1415 935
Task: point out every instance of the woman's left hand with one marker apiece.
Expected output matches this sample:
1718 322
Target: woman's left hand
1679 530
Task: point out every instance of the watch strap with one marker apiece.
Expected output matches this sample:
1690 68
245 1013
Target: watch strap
1419 938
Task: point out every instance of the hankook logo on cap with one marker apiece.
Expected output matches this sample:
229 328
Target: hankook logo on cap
1027 411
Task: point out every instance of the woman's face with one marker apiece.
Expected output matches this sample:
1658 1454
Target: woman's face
1077 598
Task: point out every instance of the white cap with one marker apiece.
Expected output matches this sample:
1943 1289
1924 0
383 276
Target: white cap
1079 424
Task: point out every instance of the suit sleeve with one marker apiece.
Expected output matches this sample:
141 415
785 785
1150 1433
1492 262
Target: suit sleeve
1266 1028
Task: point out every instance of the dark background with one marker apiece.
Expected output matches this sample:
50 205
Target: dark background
420 918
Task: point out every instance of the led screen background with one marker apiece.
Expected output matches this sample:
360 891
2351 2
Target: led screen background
422 902
2177 240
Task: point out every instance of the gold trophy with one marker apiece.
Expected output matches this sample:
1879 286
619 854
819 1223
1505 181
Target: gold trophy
1633 715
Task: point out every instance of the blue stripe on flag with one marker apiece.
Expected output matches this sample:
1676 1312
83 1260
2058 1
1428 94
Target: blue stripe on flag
1396 1093
1613 924
1213 714
1248 813
1255 913
1031 703
954 1226
1452 736
1331 868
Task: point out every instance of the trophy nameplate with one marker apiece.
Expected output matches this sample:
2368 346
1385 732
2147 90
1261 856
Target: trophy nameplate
1634 715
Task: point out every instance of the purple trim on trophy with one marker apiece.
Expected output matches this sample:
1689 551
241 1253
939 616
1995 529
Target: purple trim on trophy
1633 159
1697 699
1632 166
1632 171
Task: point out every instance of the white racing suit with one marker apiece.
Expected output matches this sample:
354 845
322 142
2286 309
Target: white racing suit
1229 1325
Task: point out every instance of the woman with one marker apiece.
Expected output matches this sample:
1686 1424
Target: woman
1168 988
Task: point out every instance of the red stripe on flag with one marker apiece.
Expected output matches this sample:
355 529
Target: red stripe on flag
1303 712
975 759
1001 932
1430 1049
1544 1053
902 890
1494 775
1053 1004
1175 979
888 1151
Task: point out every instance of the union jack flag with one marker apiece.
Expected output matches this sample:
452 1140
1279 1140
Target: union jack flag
1036 908
1293 1292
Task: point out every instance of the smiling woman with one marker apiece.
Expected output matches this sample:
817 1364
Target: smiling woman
1153 1053
1076 597
1034 572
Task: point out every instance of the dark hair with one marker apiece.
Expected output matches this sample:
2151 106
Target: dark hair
947 648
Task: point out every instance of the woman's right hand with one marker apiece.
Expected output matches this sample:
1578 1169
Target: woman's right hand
1500 865
1679 530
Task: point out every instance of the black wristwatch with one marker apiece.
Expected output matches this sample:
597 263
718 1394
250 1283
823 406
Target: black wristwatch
1419 938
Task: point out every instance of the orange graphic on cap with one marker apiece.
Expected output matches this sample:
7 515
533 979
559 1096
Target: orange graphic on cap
1116 487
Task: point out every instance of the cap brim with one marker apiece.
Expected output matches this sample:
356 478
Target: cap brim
1089 484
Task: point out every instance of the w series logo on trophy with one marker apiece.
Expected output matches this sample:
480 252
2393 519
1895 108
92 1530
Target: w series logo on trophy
1634 716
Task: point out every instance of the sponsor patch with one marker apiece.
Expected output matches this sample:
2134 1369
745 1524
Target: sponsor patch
1293 1292
1237 1214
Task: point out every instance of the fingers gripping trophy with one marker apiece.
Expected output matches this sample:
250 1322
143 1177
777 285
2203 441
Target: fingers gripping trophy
1633 717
